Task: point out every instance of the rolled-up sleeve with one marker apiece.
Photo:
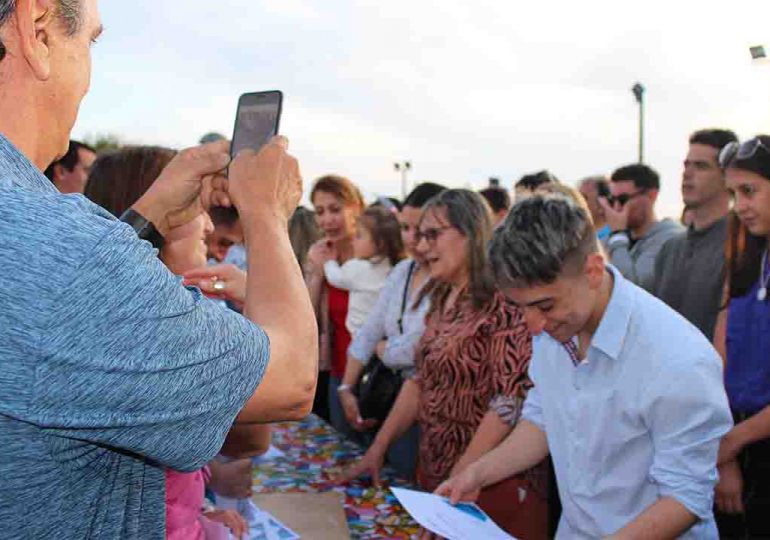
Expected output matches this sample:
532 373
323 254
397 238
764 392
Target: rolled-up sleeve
533 410
686 427
134 360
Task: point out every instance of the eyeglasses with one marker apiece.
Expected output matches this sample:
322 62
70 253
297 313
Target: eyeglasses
745 150
431 234
624 198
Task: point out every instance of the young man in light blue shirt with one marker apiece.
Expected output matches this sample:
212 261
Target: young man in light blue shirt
628 396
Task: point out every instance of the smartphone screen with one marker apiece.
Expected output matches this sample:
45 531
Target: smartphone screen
257 120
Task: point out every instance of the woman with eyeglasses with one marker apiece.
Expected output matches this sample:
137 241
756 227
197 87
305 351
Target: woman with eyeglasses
743 493
471 368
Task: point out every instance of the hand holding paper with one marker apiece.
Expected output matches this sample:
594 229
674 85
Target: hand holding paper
453 522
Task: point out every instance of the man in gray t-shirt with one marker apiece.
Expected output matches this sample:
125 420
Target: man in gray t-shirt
112 371
689 270
636 234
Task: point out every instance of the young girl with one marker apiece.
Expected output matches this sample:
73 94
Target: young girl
377 247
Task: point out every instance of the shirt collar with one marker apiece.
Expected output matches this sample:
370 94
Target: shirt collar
17 169
612 330
692 231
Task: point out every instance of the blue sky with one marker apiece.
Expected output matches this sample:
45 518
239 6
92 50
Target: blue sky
465 90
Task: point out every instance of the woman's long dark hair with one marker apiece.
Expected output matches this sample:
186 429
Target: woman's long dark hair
743 255
743 251
118 179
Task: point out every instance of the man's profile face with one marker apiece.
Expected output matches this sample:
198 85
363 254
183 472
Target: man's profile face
702 177
74 181
561 309
70 76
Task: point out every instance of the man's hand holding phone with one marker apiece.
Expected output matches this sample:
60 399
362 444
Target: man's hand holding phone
267 183
191 183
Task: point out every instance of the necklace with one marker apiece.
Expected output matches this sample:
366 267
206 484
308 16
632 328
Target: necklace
763 280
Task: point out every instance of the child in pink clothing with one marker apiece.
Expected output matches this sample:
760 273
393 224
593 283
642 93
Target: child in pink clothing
185 518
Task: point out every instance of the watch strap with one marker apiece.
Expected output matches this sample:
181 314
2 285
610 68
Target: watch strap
143 227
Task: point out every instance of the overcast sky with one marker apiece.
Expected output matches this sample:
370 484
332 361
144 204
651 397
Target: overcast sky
464 89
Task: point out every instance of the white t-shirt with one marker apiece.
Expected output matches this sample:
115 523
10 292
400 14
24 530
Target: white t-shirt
363 279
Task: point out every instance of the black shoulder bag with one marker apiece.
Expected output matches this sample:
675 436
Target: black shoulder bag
379 385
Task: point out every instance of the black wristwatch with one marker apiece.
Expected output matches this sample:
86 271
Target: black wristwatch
143 227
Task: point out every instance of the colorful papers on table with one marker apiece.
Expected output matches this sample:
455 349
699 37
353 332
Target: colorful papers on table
314 455
453 522
272 453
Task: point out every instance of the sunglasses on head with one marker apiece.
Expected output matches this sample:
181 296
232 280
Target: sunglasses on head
624 198
740 151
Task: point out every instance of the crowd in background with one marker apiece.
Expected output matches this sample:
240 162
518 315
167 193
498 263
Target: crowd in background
425 362
566 358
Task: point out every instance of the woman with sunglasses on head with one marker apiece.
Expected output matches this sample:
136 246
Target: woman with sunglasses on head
743 493
471 368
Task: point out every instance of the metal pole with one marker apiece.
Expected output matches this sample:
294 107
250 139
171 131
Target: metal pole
641 130
638 91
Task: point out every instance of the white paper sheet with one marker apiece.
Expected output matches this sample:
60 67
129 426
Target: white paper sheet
466 520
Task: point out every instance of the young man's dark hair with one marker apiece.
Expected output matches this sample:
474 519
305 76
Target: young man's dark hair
716 138
544 237
643 176
535 180
498 198
70 160
422 194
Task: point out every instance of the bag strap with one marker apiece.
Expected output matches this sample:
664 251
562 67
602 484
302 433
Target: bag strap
405 297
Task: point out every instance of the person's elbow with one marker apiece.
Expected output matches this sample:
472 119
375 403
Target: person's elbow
299 398
288 388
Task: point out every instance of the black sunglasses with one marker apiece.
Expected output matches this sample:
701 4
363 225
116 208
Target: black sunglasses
745 150
624 198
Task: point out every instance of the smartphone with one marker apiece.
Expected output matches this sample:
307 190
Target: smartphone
257 120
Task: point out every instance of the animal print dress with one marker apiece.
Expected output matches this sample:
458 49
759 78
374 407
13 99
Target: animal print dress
471 361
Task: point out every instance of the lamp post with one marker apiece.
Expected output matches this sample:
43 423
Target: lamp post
403 167
638 91
758 52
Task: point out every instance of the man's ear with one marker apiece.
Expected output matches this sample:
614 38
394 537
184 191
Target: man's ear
58 172
653 195
594 269
35 20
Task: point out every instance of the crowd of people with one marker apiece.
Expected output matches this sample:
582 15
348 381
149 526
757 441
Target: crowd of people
577 366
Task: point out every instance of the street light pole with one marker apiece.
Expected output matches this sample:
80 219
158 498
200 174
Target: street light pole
403 167
638 91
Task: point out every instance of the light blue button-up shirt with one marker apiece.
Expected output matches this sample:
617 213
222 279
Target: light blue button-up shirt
639 419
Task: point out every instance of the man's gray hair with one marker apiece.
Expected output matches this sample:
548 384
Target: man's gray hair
68 12
542 237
